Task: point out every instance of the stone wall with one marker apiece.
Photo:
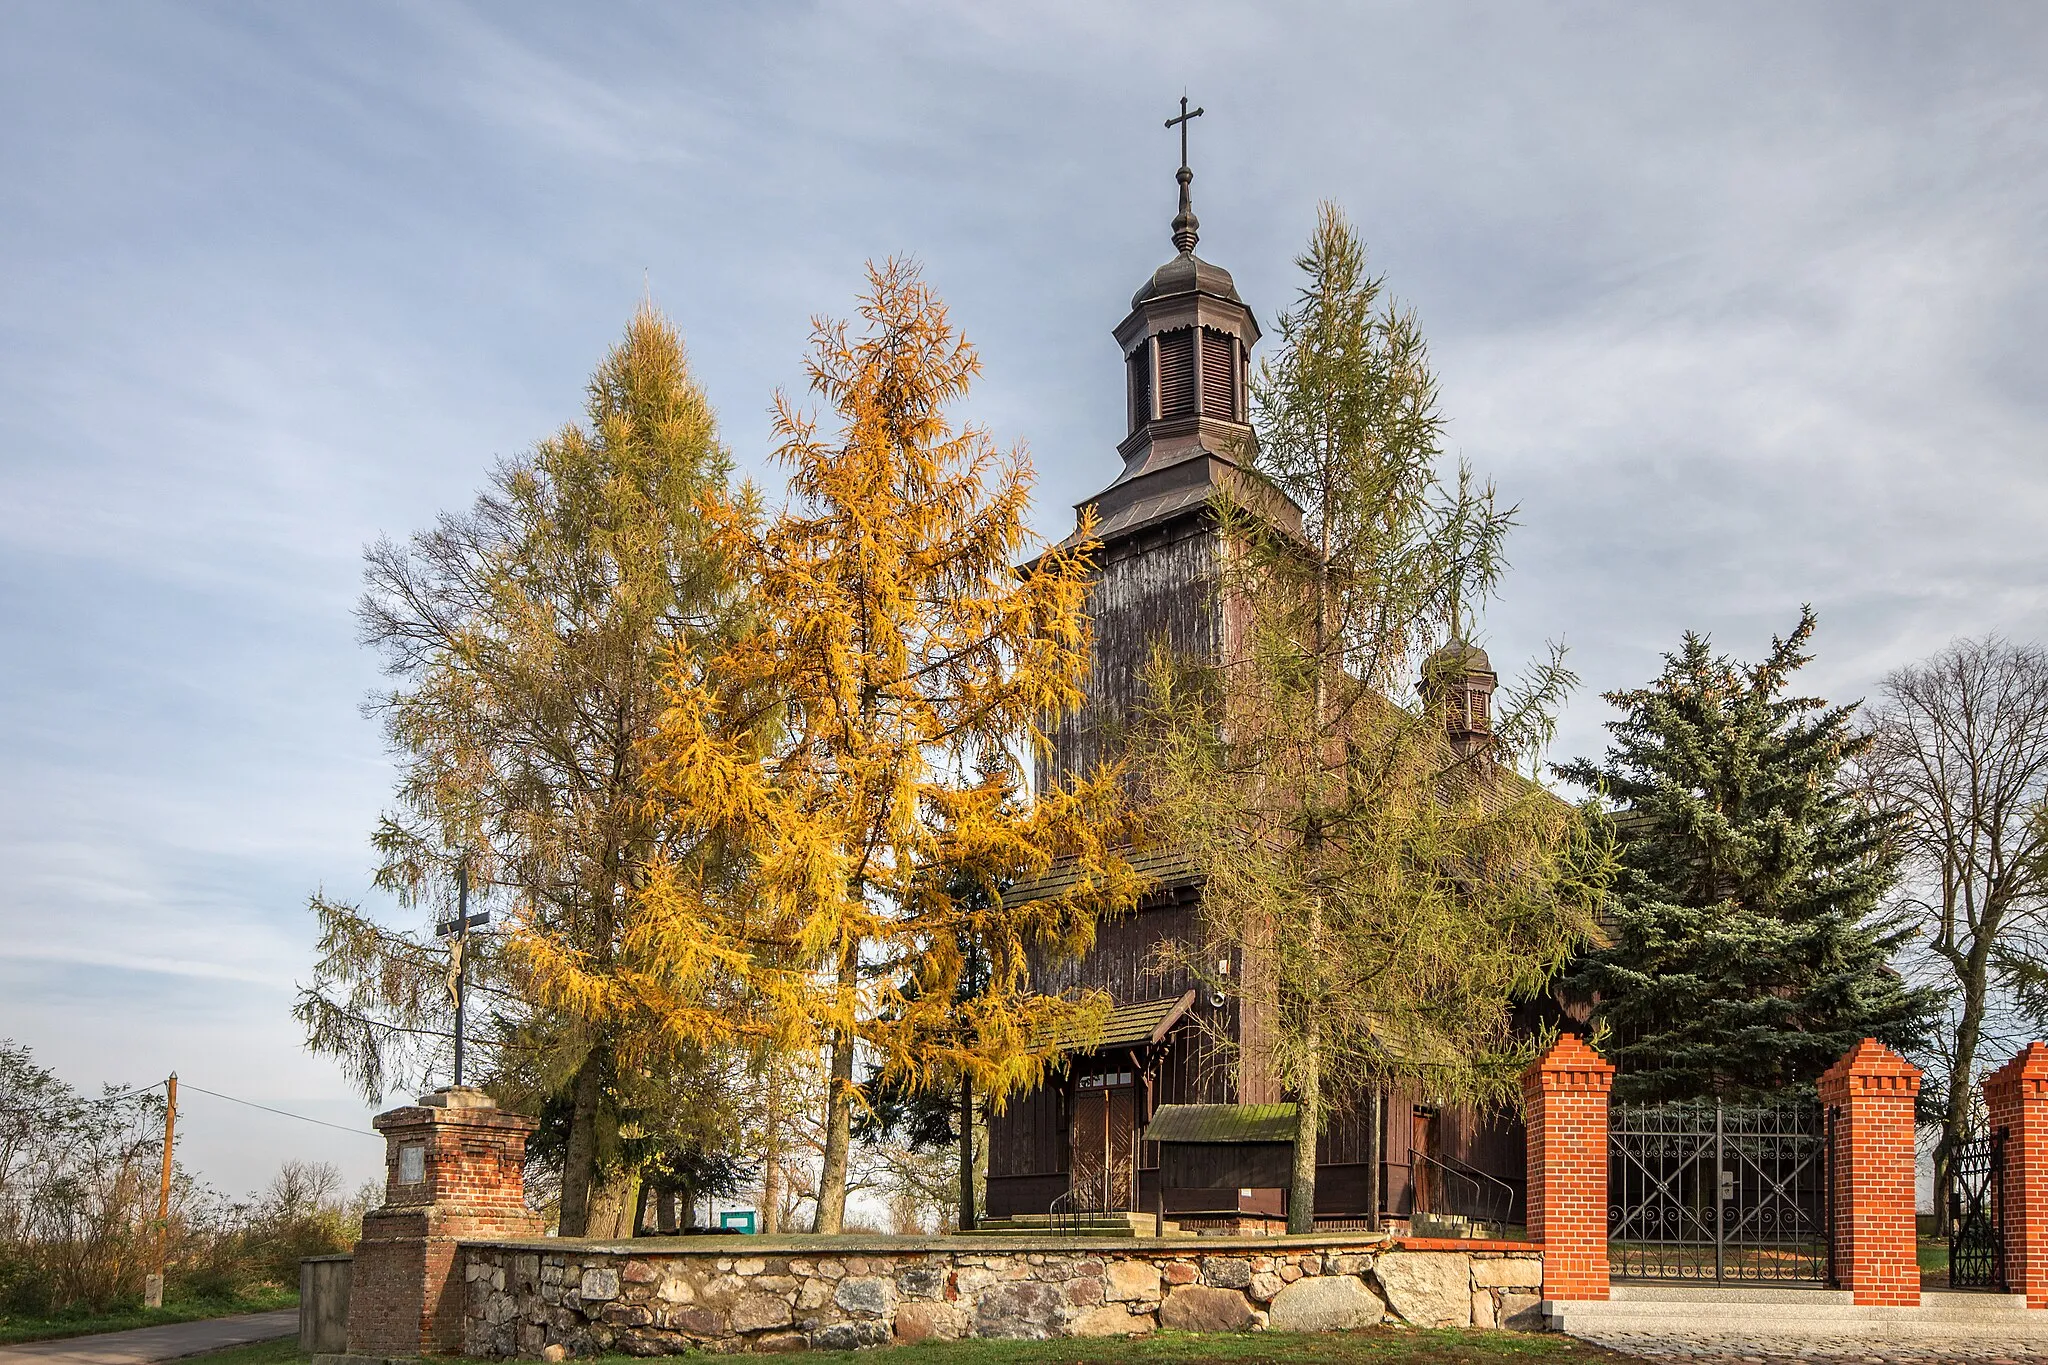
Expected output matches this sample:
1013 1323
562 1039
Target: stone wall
523 1297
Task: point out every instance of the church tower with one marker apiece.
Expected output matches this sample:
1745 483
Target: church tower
1186 348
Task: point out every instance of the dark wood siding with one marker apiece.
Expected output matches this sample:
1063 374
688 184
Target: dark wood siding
1008 1195
1347 1135
1125 961
1028 1137
1156 589
1227 1165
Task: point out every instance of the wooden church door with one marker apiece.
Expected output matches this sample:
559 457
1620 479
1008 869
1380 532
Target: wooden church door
1425 1145
1105 1142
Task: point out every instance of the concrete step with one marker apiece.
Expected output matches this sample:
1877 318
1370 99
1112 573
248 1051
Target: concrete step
1095 1225
1713 1293
1701 1311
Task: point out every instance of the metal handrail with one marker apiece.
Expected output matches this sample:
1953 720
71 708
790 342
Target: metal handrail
1481 1208
1065 1213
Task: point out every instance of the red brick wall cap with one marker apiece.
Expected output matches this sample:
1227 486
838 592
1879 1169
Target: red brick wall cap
424 1117
2031 1064
1871 1058
1868 1060
1569 1064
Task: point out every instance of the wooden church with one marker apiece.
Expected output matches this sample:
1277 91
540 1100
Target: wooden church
1081 1140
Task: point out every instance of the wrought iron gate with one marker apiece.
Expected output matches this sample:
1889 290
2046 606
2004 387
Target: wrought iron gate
1976 1211
1706 1191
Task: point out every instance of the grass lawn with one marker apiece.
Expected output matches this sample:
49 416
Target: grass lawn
281 1351
1375 1346
1932 1253
80 1322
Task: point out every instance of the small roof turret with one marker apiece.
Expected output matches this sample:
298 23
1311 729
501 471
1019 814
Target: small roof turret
1456 660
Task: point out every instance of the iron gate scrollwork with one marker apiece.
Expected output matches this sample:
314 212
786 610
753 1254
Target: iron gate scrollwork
1707 1191
1976 1229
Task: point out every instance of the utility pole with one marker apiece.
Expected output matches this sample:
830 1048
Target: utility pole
153 1285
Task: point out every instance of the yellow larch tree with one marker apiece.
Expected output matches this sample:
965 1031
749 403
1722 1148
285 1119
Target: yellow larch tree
906 670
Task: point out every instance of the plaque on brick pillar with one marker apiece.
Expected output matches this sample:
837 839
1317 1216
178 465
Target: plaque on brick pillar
455 1169
2016 1109
1869 1094
1564 1101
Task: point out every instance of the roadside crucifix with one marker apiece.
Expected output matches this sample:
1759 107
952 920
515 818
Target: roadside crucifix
456 932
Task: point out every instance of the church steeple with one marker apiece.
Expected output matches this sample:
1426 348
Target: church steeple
1159 560
1187 355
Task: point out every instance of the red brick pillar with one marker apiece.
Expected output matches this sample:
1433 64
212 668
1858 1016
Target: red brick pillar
455 1168
2016 1096
1869 1095
1564 1099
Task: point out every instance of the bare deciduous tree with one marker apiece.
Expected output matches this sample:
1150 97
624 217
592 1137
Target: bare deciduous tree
1961 749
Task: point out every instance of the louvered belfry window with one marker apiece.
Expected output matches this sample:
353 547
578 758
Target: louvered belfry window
1141 387
1177 396
1219 374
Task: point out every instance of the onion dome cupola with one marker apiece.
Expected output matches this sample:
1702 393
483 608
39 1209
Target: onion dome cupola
1187 360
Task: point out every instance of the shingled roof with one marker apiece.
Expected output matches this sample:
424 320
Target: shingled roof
1231 1123
1160 868
1132 1025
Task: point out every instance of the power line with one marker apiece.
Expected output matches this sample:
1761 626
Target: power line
81 1103
64 1105
284 1113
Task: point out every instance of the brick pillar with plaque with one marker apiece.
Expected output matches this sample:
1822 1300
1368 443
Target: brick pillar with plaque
455 1169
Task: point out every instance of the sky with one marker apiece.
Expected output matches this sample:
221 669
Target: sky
1744 305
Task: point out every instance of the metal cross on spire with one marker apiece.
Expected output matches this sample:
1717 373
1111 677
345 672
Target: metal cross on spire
1182 122
1186 227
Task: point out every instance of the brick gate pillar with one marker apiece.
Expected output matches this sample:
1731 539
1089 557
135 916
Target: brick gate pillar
2016 1096
455 1168
1868 1099
1564 1100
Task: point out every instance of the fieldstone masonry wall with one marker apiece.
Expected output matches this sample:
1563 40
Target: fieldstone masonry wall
524 1297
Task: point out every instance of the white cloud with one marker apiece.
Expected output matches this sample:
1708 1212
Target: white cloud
1745 305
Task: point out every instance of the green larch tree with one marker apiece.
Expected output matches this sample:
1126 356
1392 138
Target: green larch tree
534 639
1396 891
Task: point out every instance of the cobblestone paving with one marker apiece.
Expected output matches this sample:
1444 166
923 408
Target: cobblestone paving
1737 1350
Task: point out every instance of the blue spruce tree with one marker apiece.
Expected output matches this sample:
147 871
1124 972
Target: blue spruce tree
1749 944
